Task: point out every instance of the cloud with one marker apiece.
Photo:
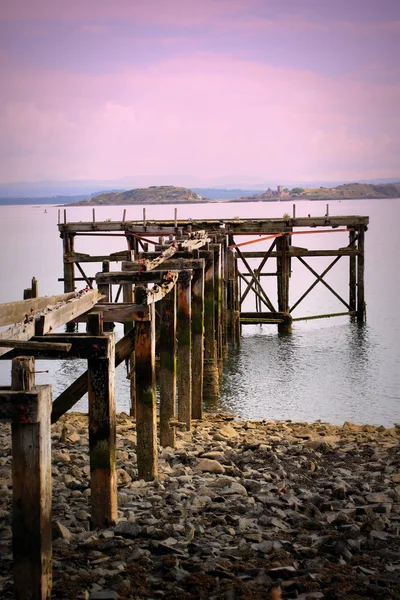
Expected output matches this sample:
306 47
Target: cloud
206 115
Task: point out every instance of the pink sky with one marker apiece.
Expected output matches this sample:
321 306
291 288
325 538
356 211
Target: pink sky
242 90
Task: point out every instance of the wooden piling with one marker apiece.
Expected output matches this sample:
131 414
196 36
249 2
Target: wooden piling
31 480
167 376
283 274
69 267
102 430
105 289
360 275
127 295
218 302
184 332
146 423
211 373
352 272
197 343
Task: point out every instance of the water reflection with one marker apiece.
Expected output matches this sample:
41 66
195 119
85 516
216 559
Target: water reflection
325 373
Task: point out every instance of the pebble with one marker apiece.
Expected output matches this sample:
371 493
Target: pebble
237 510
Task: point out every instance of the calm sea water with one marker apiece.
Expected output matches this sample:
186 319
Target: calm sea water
332 369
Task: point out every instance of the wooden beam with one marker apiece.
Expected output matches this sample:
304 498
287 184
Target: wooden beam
35 345
121 277
102 430
67 312
31 482
237 226
148 265
146 424
295 251
81 257
20 332
184 334
167 373
175 264
197 342
319 278
15 312
69 397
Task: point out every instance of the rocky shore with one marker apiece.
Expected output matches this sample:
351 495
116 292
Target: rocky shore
252 510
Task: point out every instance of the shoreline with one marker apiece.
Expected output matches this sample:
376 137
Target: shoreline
239 509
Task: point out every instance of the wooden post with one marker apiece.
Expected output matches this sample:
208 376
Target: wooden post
127 293
146 418
197 343
360 275
352 273
105 289
218 302
283 274
31 478
102 430
184 331
224 295
211 373
69 268
167 375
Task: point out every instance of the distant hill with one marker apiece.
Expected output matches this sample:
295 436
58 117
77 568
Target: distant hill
341 192
165 194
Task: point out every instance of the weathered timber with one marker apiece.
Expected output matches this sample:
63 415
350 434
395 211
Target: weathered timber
105 291
69 269
102 430
128 298
122 277
294 251
283 269
211 373
181 261
128 227
123 312
31 480
193 244
148 265
350 313
20 332
69 397
15 312
66 312
319 278
88 280
167 373
80 257
254 283
218 301
197 342
360 275
236 226
265 256
146 425
184 334
31 292
352 272
35 345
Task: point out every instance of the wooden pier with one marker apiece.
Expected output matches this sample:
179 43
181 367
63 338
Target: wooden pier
182 290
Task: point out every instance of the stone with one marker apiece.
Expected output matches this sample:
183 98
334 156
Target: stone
229 432
207 465
60 531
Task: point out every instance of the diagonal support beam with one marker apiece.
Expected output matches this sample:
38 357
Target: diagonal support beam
267 302
259 269
319 278
255 281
